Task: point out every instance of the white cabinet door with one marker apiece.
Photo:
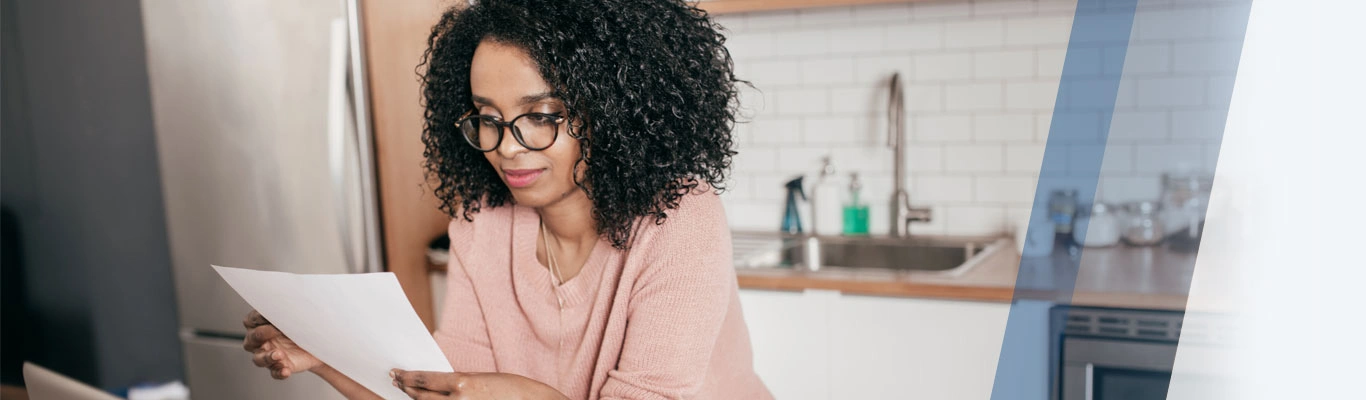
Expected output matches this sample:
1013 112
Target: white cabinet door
790 332
898 348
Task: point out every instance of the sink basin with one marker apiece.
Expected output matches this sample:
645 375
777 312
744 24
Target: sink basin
885 254
938 255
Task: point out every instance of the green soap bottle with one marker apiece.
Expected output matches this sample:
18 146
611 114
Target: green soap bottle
855 210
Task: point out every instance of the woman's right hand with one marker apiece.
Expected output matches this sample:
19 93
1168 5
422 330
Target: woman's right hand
272 349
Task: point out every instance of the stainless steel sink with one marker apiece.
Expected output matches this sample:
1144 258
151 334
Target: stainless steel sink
938 255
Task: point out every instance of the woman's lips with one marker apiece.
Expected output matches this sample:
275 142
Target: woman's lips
521 177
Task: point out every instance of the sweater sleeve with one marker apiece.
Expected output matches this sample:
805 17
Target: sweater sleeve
677 307
461 332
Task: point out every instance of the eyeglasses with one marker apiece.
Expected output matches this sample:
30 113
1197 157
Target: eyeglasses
534 131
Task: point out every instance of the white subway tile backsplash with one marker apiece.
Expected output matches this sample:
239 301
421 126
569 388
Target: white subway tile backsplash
1050 61
1150 126
1198 124
860 39
835 130
796 102
1000 7
975 33
938 67
1037 95
732 22
1207 56
771 74
921 98
758 215
1170 92
879 68
1144 58
1220 90
939 10
1043 121
975 220
802 160
895 12
1017 127
972 96
750 44
1181 24
824 71
973 158
771 20
1005 189
756 160
1092 158
942 128
802 43
1003 64
858 100
1124 189
981 81
1024 158
816 17
1160 158
942 189
771 131
867 161
924 158
1065 7
921 36
769 186
1038 30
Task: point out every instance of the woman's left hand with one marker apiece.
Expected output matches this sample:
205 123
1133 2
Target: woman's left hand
424 385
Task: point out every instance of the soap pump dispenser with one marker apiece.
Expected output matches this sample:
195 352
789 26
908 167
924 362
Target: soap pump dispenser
792 220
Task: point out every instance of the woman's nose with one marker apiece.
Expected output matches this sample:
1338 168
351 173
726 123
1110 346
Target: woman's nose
509 147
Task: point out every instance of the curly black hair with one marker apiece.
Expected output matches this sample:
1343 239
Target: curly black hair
650 81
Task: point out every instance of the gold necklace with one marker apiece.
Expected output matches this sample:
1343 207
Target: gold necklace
554 267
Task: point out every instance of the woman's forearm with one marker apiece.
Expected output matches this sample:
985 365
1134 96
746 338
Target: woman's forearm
344 384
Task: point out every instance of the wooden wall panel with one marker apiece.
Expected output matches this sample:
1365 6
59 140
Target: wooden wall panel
395 37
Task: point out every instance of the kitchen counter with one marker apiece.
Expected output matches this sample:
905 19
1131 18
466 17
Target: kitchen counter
1119 276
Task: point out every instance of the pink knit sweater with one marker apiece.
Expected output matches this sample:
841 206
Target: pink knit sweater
660 321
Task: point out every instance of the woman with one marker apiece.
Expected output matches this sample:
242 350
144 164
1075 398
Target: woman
578 146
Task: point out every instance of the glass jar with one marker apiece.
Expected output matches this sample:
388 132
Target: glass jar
1144 226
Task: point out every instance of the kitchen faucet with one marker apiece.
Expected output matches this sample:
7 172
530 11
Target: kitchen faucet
902 213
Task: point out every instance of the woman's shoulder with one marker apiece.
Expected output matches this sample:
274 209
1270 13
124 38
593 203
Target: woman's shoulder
482 224
697 224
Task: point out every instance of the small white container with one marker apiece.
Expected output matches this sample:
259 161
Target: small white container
1099 229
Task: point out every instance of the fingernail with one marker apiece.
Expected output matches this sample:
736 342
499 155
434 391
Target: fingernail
393 374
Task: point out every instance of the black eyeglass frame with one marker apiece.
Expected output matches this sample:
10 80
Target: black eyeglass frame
510 125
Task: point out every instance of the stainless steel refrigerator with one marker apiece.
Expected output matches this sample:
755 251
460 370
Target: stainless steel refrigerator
266 161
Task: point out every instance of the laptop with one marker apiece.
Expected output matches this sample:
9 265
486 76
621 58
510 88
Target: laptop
44 384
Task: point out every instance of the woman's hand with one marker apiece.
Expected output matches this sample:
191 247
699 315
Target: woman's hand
272 349
474 386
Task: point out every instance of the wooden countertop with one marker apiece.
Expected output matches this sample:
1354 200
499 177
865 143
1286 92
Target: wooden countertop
1128 277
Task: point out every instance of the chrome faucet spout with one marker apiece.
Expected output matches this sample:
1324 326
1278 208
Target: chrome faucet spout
902 214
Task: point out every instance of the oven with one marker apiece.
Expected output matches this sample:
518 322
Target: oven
1113 354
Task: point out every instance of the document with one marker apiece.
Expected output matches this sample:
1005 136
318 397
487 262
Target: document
360 324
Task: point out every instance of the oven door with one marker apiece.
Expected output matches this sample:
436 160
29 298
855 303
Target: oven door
1105 369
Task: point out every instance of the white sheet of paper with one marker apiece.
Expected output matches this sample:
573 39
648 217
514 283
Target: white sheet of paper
360 324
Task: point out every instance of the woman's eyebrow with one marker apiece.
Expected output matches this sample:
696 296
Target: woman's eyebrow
528 99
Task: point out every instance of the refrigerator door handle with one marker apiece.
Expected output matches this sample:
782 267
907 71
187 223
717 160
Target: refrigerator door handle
338 121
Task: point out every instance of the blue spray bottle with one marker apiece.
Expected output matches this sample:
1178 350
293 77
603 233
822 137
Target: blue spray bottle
792 220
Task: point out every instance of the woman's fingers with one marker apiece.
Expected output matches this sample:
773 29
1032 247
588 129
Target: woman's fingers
432 381
423 394
254 319
258 336
262 358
